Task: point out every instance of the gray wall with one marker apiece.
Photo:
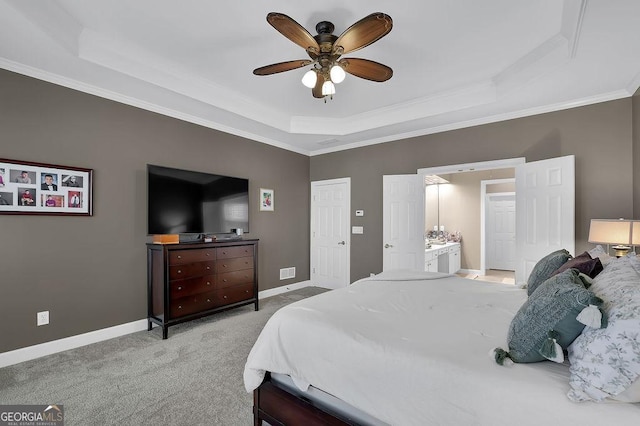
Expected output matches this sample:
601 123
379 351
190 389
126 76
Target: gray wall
90 272
600 136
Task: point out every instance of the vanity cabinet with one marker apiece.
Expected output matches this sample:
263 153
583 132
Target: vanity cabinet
444 258
454 258
431 260
189 281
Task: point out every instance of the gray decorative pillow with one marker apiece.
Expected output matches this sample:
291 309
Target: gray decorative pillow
548 321
545 268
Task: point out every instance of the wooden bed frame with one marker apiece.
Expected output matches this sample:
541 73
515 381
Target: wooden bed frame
278 407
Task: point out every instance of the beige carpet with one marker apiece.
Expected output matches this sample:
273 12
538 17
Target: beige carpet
192 378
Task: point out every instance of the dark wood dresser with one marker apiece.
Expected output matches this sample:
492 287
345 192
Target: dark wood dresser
188 281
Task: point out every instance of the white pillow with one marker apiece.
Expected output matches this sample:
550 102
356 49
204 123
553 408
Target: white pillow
599 252
605 362
635 261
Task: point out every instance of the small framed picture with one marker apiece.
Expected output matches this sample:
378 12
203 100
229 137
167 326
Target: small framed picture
266 200
45 189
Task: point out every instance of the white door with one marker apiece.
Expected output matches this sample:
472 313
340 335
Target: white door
545 211
330 242
403 222
501 231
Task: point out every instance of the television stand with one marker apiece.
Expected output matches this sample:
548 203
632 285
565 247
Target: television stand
193 280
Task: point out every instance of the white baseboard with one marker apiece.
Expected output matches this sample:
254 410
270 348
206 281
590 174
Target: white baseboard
55 346
283 289
36 351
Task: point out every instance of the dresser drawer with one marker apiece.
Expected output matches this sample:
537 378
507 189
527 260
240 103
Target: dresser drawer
229 279
191 286
234 251
185 306
234 294
197 269
179 257
234 264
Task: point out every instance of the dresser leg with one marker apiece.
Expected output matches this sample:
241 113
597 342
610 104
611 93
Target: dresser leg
165 332
256 305
149 326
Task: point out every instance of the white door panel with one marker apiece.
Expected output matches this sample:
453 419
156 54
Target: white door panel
545 211
330 242
501 232
403 222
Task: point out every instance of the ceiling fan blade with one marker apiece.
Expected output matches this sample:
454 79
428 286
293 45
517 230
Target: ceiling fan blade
366 69
281 67
364 32
317 90
293 31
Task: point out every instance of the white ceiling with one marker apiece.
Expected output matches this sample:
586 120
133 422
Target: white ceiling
456 63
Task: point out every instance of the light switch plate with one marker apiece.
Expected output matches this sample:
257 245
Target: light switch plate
357 230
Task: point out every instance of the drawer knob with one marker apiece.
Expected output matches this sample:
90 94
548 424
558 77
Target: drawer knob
224 280
224 266
207 254
208 300
179 306
224 252
208 283
179 271
225 297
208 267
179 257
180 288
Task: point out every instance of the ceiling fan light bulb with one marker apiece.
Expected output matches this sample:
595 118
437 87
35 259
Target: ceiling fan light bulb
337 74
328 88
309 79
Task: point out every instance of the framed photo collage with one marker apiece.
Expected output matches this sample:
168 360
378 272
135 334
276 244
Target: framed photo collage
47 189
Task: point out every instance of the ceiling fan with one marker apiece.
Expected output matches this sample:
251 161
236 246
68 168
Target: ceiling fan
325 50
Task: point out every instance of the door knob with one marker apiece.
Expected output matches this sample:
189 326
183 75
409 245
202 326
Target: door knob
342 243
387 245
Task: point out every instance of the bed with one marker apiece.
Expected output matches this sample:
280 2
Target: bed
409 348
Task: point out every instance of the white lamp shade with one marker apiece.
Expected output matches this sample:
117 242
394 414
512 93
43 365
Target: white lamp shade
337 74
309 79
635 238
611 231
328 88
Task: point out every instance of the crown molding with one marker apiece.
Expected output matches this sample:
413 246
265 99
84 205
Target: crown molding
606 97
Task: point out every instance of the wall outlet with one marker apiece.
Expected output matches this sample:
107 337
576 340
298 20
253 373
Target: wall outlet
43 318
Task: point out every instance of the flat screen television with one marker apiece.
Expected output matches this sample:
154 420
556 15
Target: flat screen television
190 202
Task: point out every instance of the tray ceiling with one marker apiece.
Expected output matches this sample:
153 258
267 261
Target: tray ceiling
456 64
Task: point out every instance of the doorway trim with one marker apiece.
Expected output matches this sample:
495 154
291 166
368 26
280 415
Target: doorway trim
473 167
483 217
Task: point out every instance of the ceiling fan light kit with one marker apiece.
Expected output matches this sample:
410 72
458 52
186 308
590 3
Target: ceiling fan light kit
325 50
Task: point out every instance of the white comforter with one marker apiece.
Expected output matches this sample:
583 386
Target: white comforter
412 349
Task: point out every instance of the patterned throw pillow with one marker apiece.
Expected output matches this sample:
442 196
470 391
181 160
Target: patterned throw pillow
545 268
548 321
606 362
